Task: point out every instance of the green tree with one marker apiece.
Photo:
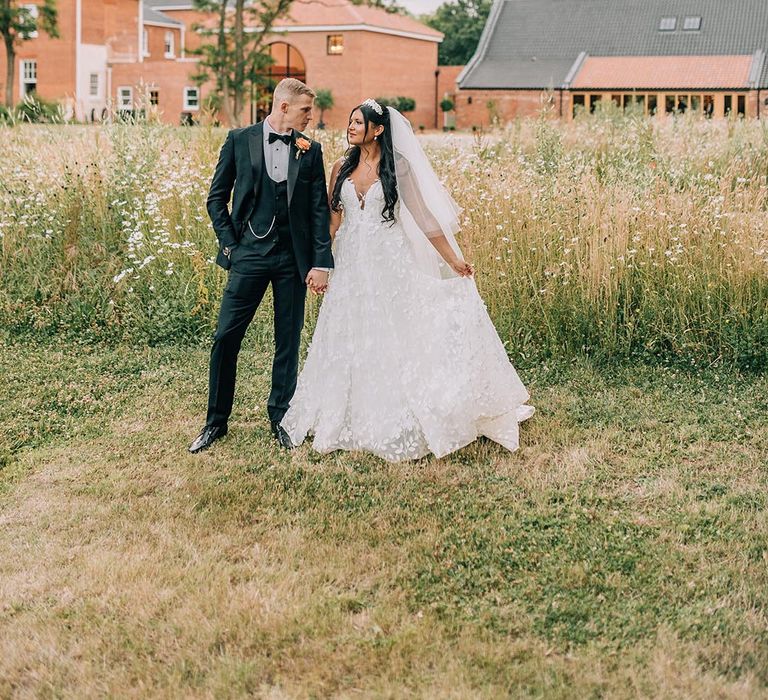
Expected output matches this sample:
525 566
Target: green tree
323 101
18 24
233 58
401 104
462 22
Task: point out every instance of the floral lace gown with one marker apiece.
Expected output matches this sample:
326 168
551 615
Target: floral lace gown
401 364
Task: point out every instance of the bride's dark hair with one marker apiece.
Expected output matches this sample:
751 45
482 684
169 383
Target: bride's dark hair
386 163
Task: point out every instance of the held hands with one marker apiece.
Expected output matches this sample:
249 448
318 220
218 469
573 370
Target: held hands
317 281
462 267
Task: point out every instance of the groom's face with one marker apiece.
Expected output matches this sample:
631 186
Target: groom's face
298 112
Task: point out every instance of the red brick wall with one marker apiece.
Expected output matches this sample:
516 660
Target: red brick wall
94 20
121 20
55 58
473 110
446 84
169 82
156 45
396 66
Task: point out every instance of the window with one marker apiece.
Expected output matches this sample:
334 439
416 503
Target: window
287 63
727 104
692 24
652 104
28 77
145 43
169 45
593 100
191 98
335 44
668 24
741 105
669 104
578 104
154 97
709 106
637 103
695 103
93 85
33 13
125 97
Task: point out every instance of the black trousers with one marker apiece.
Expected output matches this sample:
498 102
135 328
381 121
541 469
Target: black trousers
248 281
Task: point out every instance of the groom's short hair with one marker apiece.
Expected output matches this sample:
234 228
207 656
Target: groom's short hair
289 88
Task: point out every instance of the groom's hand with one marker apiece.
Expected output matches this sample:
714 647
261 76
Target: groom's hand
317 281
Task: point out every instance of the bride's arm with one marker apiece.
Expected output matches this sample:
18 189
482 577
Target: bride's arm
335 215
427 222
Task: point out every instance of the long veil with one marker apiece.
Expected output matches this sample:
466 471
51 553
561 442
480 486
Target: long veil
427 210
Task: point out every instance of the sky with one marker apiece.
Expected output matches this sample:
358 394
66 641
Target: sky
420 7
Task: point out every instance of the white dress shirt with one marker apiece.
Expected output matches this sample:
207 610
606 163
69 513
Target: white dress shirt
276 156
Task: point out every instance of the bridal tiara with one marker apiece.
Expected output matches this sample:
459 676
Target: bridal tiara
375 106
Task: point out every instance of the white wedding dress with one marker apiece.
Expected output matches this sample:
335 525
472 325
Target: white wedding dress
401 364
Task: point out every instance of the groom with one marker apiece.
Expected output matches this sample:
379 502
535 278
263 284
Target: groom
277 232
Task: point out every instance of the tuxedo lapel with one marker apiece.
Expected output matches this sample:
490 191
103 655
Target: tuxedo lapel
256 151
293 164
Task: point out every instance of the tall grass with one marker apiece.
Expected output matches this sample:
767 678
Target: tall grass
612 236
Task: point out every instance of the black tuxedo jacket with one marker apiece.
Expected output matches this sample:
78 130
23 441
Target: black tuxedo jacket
238 175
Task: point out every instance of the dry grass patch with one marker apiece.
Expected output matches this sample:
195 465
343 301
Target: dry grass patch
620 553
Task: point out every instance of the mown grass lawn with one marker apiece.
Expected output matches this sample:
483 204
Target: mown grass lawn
621 552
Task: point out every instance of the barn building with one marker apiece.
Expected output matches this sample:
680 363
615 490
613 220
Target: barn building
658 56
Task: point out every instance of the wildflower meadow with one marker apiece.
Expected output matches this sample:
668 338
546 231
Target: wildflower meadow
614 238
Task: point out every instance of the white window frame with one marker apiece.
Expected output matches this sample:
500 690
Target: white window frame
169 44
188 107
668 24
94 84
35 12
145 42
121 104
27 75
338 50
692 23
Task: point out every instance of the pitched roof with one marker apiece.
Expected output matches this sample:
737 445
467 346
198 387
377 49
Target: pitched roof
534 43
332 13
663 72
151 15
344 12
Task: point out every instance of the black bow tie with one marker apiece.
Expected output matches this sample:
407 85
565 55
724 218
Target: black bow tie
285 138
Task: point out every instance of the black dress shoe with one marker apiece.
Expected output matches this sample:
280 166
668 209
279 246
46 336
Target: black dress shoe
281 436
208 435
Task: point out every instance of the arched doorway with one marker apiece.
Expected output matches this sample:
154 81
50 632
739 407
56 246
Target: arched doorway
287 62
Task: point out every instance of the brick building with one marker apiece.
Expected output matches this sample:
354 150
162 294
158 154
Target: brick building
135 54
75 69
659 56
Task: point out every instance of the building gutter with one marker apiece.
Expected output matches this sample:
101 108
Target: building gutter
78 43
140 32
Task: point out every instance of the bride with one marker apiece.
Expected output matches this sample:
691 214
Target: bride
404 360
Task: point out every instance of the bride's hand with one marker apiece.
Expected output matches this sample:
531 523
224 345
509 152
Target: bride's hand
462 268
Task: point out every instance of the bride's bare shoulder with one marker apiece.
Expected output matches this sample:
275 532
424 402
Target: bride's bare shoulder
336 167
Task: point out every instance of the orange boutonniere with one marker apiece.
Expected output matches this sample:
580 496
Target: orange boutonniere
302 145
